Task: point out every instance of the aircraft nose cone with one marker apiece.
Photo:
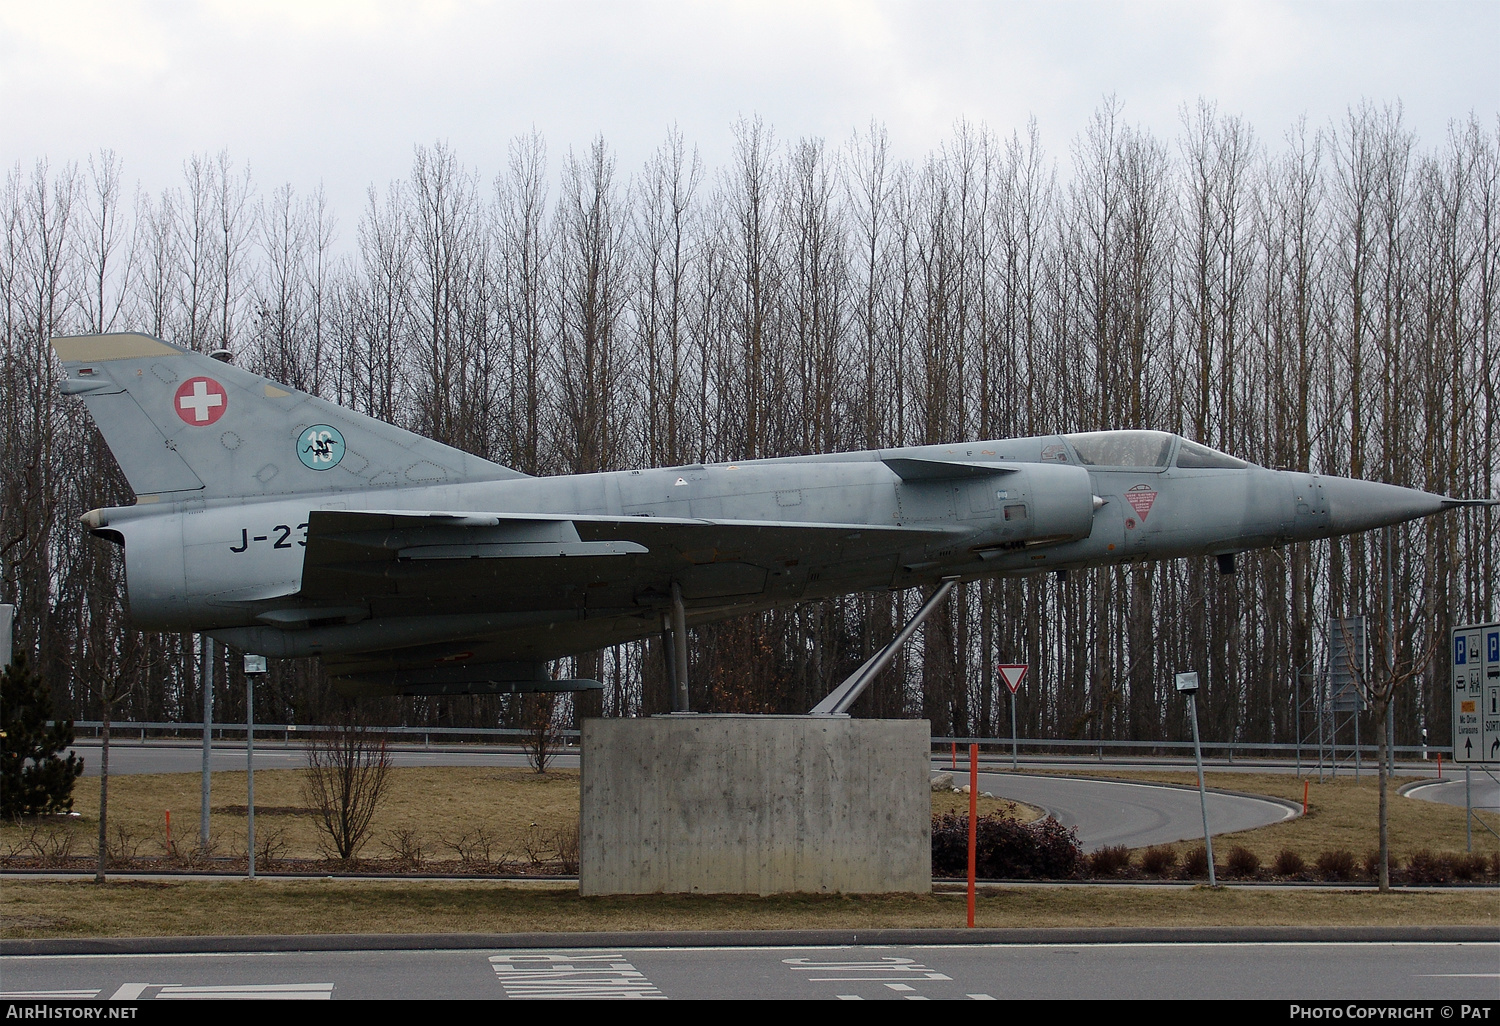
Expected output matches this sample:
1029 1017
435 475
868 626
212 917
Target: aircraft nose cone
1362 505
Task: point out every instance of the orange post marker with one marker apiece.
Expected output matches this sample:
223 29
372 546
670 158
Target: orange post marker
1440 765
973 822
169 829
1304 797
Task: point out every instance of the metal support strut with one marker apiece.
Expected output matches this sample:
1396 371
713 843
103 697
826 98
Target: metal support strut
846 694
679 650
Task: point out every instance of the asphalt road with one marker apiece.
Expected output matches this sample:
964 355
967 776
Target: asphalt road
1484 791
1106 812
1353 972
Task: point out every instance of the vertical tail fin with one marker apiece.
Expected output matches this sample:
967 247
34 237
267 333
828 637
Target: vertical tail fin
183 424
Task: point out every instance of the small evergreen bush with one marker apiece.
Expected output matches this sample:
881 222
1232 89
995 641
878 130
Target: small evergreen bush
35 778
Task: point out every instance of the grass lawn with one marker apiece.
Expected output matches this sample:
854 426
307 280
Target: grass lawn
217 907
510 817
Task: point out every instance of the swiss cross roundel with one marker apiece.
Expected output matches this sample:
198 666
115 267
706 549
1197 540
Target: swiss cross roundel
200 401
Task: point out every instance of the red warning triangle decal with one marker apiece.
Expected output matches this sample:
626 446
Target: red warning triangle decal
1141 498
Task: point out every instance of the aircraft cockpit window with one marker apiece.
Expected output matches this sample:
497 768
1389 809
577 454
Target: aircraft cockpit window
1193 456
1122 448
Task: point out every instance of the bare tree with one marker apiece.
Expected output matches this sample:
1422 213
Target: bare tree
1379 685
541 740
346 777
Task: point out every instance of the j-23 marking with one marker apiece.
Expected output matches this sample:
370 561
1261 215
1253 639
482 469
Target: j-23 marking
283 532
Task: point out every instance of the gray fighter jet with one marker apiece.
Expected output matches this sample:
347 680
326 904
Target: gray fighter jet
283 524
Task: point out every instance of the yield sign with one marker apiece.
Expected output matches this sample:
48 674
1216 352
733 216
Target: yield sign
1013 673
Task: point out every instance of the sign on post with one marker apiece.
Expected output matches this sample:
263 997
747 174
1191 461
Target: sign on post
1476 693
1347 666
1187 684
1013 674
7 621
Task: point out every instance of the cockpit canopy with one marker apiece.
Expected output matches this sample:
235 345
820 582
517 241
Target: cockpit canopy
1147 449
1123 448
1192 456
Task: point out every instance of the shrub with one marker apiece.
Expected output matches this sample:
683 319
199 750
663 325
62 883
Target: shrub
1469 866
1424 866
348 770
1337 864
475 849
1243 862
565 843
1195 864
406 847
1158 860
1005 849
1288 864
1110 861
1372 863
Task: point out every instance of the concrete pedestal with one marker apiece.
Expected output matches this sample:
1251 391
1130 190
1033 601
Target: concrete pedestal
755 805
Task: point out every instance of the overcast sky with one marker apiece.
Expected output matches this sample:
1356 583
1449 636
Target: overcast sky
340 92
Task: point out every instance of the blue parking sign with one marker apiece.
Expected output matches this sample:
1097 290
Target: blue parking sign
1494 640
1460 650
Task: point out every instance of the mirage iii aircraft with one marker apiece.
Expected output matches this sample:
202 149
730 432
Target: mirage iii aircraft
285 525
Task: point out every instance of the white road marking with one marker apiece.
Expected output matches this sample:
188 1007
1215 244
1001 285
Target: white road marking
48 995
979 997
888 971
241 992
889 968
251 992
571 974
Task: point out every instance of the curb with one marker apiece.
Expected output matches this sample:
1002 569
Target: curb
758 939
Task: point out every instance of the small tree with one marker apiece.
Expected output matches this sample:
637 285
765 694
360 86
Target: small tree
541 738
35 778
347 770
1379 686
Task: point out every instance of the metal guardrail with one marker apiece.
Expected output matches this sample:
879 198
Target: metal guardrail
515 735
1228 748
288 730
